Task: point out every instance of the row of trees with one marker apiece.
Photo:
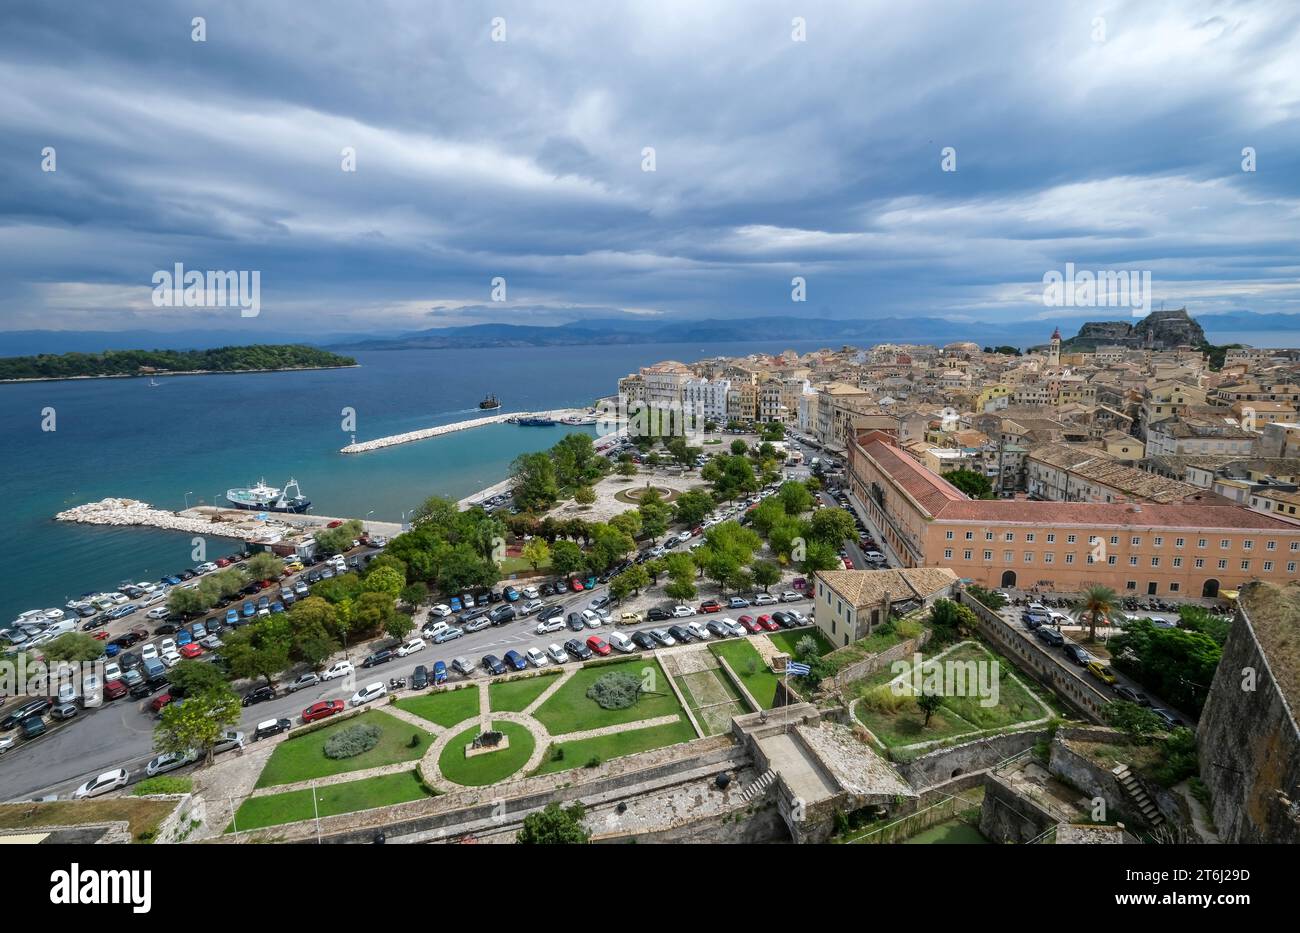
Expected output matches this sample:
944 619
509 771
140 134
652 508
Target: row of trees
221 586
447 549
572 464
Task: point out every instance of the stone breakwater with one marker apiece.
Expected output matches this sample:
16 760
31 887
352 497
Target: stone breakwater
132 512
394 439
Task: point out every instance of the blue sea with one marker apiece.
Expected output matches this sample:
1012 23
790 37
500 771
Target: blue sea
193 437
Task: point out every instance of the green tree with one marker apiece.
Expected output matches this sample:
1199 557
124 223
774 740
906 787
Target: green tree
693 507
385 580
832 525
260 650
1096 605
820 555
1132 719
198 723
584 495
536 552
554 825
609 545
628 522
654 518
627 467
73 647
264 566
376 612
536 487
186 602
795 498
739 447
414 594
398 625
975 485
766 574
337 540
929 704
190 678
620 588
681 590
567 558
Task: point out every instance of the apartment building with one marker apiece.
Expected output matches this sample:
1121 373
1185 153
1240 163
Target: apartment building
1190 548
706 398
1196 436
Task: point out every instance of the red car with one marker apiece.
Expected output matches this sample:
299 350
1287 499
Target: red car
848 564
576 585
749 623
598 645
334 524
101 635
223 561
711 606
114 689
191 651
767 622
160 701
322 709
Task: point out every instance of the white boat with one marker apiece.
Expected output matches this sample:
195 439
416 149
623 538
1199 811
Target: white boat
264 498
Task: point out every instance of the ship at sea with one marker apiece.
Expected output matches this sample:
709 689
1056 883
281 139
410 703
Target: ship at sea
489 403
264 498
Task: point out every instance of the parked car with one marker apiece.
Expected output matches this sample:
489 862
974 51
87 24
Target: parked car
737 602
531 606
1101 671
169 761
698 631
683 612
310 679
368 693
462 666
337 669
1131 695
269 727
36 707
258 695
516 660
591 618
662 637
790 596
630 618
577 649
764 599
492 664
658 614
711 605
412 646
450 633
1076 654
644 640
1170 719
322 710
103 784
556 653
230 740
64 711
439 673
620 642
554 624
379 657
1049 636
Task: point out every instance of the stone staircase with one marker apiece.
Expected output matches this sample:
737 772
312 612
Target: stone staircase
758 787
1141 800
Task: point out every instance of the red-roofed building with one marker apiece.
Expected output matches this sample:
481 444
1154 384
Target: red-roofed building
1190 548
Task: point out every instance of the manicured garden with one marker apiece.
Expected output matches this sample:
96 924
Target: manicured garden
569 709
489 767
445 708
788 640
514 696
303 758
331 799
561 756
748 665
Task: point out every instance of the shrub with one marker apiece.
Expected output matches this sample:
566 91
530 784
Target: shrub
593 762
806 647
883 699
353 741
617 690
163 785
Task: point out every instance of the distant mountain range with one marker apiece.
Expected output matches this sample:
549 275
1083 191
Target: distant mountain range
776 329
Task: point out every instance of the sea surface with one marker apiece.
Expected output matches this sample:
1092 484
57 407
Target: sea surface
193 437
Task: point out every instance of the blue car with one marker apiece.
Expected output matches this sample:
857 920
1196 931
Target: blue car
112 651
232 617
439 673
277 606
183 638
198 630
248 610
455 604
516 660
172 581
263 602
512 594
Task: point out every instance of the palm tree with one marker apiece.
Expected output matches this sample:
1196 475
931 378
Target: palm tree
1096 605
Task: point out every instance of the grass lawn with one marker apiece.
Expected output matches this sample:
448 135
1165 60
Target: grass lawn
446 707
739 653
488 768
303 758
513 696
570 710
518 565
787 640
142 816
605 747
332 799
904 723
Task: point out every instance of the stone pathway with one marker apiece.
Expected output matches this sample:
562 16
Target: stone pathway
619 727
327 780
484 708
546 694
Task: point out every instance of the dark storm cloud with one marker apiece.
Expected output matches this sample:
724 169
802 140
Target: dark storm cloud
523 158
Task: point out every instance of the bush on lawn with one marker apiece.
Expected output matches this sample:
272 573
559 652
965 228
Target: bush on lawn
353 741
617 690
883 699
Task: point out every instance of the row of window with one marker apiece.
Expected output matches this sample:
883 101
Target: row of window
1050 558
1135 541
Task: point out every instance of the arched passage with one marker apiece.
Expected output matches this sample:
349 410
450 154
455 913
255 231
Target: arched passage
1210 590
1009 578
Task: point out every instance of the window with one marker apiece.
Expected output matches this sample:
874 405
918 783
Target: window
1223 564
1131 585
1070 539
965 555
947 553
988 555
1201 542
1029 557
1159 541
970 536
1112 560
1200 563
1245 565
1295 545
1248 544
1029 537
1271 546
1173 587
1178 561
988 536
1133 561
1268 566
1178 542
1069 558
1136 542
1051 539
1048 557
1008 557
1290 567
1224 543
1114 539
948 535
1155 562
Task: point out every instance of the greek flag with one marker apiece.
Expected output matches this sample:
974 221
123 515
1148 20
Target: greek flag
799 670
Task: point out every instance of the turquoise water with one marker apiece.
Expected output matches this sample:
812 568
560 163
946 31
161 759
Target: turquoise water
203 434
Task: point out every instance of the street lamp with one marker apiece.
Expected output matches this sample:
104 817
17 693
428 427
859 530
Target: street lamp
187 499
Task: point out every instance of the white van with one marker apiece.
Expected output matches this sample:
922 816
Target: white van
620 642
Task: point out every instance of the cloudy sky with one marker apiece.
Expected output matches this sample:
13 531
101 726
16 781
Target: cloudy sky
1107 134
